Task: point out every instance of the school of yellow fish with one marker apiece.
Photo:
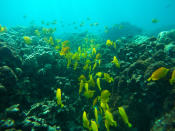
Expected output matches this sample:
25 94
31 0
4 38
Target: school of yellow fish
88 86
90 81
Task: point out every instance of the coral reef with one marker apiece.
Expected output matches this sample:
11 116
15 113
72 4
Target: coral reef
31 73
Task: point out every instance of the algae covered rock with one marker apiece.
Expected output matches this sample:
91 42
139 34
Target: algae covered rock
166 36
7 57
45 58
165 123
170 49
2 90
140 39
6 53
7 76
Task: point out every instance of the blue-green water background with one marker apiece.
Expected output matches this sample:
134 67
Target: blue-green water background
105 12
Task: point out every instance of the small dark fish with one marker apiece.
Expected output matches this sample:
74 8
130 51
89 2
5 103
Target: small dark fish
42 22
81 24
91 25
24 16
48 23
88 18
155 21
96 24
32 22
54 22
168 6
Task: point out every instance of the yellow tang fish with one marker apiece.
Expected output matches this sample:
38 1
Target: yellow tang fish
99 74
58 96
76 56
37 32
85 120
108 78
91 81
90 68
51 41
94 126
64 50
65 43
96 114
95 101
57 47
98 83
82 77
86 67
94 66
86 86
89 94
3 29
27 40
81 86
158 74
58 41
104 106
105 94
93 51
109 43
107 125
172 80
124 116
68 62
75 65
109 118
79 49
116 62
98 56
99 62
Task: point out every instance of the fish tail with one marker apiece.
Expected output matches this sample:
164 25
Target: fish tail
129 125
62 105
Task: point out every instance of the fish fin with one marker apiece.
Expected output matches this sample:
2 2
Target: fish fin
171 82
149 79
